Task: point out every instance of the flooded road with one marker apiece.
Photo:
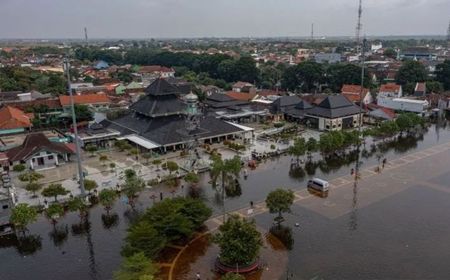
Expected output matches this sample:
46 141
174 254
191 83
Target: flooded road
404 235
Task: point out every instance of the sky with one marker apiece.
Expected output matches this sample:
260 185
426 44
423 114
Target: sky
218 18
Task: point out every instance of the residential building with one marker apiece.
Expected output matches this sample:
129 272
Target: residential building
420 90
334 113
38 152
355 94
13 120
97 101
391 90
243 87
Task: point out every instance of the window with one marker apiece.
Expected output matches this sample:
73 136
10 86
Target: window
50 157
5 206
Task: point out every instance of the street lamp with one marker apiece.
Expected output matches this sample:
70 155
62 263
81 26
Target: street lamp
75 128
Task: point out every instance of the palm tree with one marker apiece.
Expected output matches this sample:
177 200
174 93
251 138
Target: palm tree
228 170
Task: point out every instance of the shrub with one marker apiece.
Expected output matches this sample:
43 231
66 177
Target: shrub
19 167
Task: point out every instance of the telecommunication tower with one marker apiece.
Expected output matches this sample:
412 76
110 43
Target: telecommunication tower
312 32
86 36
359 27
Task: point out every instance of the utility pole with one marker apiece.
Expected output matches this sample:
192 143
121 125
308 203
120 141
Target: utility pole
75 129
359 27
448 35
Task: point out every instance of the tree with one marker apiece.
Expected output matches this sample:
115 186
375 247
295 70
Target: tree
54 212
53 190
103 159
133 185
443 74
91 149
311 146
22 215
191 178
239 241
90 185
280 201
83 113
232 276
228 170
33 187
411 72
112 165
107 198
434 87
172 166
298 149
390 52
143 237
129 173
177 217
136 267
78 204
305 76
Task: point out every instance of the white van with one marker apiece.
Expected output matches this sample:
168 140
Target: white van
319 184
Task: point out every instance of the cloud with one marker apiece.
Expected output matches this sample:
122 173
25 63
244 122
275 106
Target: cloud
186 18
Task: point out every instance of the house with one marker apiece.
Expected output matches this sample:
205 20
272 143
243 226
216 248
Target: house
97 101
298 112
418 53
38 152
13 120
379 114
210 90
242 96
243 87
158 121
390 90
150 73
353 93
420 90
334 113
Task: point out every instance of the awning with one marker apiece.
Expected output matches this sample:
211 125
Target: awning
243 127
142 141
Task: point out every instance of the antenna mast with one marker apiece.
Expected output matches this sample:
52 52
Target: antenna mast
448 35
359 28
312 32
86 36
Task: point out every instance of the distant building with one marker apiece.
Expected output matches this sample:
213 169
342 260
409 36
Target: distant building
150 73
418 53
101 65
330 58
243 87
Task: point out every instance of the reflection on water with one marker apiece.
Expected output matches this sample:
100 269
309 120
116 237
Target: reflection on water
92 245
284 234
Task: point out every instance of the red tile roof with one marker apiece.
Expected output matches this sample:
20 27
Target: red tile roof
353 89
420 87
242 96
84 99
390 87
354 97
52 103
11 118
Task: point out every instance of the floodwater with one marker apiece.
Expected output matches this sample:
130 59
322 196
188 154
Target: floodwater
376 249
